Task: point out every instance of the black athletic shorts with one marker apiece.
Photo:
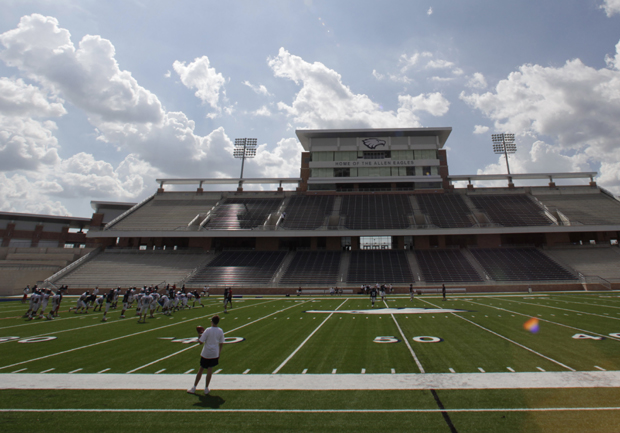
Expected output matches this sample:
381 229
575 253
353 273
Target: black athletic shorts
206 363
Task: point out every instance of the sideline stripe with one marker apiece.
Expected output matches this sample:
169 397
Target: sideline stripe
117 338
508 339
306 340
194 345
319 382
495 409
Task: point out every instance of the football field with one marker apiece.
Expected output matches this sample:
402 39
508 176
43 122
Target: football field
323 363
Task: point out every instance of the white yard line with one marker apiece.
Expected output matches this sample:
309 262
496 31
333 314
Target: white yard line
112 339
103 371
546 320
562 309
509 340
402 334
321 382
306 340
194 345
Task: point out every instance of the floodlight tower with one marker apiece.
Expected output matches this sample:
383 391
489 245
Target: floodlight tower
244 148
504 143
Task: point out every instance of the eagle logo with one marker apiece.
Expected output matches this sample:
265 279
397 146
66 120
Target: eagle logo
372 143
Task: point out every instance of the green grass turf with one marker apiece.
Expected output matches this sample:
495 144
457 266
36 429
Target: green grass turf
501 420
274 328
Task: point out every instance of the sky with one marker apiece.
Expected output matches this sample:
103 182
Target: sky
99 99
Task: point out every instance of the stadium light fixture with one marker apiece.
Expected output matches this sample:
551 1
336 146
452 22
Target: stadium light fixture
244 148
504 143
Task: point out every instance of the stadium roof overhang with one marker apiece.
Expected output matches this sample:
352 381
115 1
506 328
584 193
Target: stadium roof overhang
509 177
74 222
228 181
304 135
430 231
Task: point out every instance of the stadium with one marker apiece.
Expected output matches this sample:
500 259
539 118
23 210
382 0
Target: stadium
369 206
526 337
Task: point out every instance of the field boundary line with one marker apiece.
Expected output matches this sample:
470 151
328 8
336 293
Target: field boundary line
511 341
318 382
194 345
306 340
493 409
116 338
547 320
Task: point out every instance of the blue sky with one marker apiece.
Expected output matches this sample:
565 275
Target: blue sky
97 99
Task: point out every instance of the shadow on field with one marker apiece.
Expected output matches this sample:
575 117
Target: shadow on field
210 401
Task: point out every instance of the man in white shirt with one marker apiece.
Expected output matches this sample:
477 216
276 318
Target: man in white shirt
213 340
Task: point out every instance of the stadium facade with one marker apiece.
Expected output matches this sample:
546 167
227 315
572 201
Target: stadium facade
370 206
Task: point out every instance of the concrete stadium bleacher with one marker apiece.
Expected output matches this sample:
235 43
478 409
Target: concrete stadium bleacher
511 210
315 267
445 210
593 208
379 266
445 266
371 211
520 264
307 212
242 213
169 211
232 268
28 266
603 262
126 268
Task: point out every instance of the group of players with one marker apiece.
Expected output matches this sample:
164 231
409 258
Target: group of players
148 300
40 299
375 290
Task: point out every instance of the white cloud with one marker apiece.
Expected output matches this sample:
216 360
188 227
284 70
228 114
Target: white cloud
201 76
408 62
325 102
442 79
18 194
259 90
26 143
123 112
477 81
479 129
576 105
377 75
439 64
157 143
20 99
611 7
429 11
283 161
262 111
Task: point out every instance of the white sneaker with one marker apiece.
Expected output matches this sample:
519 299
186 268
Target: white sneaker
192 390
207 390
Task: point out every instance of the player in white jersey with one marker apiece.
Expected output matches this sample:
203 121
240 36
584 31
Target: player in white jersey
190 298
99 303
175 301
55 304
183 301
153 304
145 302
45 298
81 305
36 303
117 293
26 292
164 303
